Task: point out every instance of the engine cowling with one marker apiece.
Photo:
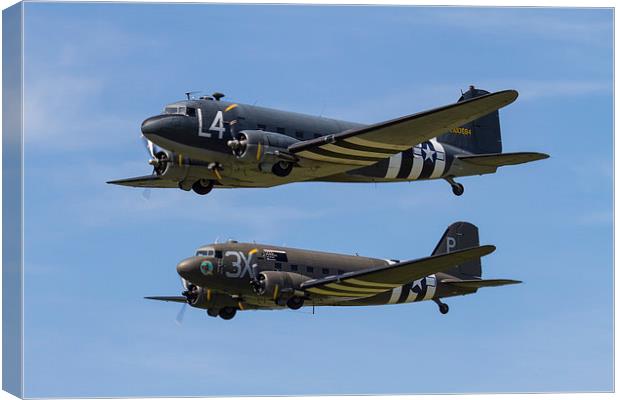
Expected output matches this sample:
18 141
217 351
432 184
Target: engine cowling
267 149
277 284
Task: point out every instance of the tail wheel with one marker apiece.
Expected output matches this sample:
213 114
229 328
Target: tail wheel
227 313
458 189
202 186
443 308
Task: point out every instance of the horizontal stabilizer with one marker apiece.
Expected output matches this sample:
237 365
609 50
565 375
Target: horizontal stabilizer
176 299
501 159
147 181
479 283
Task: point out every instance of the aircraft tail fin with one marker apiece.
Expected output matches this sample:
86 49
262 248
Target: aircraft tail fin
458 236
480 136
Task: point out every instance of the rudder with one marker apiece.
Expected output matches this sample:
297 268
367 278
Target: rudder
481 136
458 236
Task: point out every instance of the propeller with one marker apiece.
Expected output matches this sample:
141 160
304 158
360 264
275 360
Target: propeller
158 158
256 280
181 314
190 294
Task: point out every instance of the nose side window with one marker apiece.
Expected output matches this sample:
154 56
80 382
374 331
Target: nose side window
191 112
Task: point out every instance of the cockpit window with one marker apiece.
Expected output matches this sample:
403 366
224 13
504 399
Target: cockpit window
191 112
177 110
205 253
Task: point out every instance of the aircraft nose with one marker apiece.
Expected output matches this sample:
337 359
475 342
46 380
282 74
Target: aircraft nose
188 268
152 126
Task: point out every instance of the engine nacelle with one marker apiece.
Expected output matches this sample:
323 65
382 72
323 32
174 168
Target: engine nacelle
267 149
278 285
204 298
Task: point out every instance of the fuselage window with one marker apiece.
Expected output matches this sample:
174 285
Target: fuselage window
278 266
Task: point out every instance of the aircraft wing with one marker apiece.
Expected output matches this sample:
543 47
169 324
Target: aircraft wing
370 144
147 181
371 281
176 299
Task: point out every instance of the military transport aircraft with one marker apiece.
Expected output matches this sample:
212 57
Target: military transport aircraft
224 278
204 143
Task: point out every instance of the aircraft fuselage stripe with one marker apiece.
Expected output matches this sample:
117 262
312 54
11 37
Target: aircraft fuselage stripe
359 147
371 143
343 150
354 288
366 283
338 160
406 164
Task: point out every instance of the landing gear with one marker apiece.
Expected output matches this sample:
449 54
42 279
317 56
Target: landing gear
202 186
212 312
282 168
457 188
443 307
295 303
227 313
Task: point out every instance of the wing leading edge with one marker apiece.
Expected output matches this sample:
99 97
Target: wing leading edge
370 144
371 281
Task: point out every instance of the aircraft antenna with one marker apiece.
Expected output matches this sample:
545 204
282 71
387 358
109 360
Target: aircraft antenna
190 93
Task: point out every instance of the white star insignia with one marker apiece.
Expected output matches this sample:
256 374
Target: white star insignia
428 153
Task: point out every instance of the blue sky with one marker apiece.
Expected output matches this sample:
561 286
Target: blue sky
93 72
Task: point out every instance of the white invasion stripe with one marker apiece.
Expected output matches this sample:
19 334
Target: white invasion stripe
338 293
319 157
371 143
394 166
430 292
440 159
366 283
395 295
418 163
354 289
344 150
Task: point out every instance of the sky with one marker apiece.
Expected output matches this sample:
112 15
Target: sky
94 72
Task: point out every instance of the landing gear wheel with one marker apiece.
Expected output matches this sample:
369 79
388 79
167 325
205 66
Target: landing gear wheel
443 308
458 190
282 168
295 303
212 312
227 313
202 186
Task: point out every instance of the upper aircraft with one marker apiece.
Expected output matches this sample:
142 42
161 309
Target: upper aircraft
205 143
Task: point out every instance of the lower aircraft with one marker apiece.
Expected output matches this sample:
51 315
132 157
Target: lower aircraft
205 143
225 278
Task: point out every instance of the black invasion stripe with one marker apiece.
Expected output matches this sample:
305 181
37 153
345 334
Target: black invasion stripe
328 153
421 290
406 163
404 293
429 165
359 147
